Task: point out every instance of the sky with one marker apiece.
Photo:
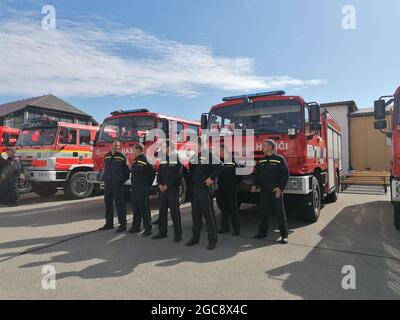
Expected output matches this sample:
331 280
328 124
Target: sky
180 57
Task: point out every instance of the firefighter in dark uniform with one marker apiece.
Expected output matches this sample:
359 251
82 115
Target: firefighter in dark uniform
142 177
169 179
116 172
271 176
204 169
11 172
228 183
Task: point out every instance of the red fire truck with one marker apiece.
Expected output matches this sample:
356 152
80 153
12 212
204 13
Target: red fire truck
381 124
308 139
57 154
133 126
8 137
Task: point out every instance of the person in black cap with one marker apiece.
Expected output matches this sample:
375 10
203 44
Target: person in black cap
142 177
204 169
227 194
169 179
116 172
272 174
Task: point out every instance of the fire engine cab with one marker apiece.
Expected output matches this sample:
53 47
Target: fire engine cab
309 139
141 126
8 137
381 124
57 154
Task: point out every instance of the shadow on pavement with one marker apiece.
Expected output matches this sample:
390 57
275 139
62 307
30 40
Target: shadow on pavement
376 260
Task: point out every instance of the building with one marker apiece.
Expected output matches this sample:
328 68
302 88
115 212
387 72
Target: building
14 114
370 149
341 111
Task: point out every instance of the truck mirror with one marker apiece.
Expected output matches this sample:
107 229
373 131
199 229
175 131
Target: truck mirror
204 121
380 110
380 124
315 117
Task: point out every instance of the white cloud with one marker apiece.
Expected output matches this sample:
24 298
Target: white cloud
79 59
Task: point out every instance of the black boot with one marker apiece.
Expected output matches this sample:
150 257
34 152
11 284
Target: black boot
192 242
159 236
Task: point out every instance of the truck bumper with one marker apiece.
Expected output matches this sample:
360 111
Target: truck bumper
96 177
296 185
395 189
42 176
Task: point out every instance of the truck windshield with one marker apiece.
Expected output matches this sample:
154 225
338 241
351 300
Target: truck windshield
126 128
275 116
37 137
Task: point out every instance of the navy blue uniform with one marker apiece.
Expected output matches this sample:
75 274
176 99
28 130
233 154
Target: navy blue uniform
202 202
228 183
10 169
170 174
142 177
116 172
272 172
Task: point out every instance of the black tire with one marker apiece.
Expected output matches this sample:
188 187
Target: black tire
25 187
97 190
77 187
312 204
396 210
44 189
183 191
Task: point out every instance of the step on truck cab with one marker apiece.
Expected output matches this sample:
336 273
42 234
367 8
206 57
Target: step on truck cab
57 155
309 139
131 127
393 133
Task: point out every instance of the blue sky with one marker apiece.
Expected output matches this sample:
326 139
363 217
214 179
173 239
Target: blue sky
181 56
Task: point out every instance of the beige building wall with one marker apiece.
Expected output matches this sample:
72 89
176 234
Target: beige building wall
369 148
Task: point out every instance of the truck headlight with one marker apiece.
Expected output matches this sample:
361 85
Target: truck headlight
294 184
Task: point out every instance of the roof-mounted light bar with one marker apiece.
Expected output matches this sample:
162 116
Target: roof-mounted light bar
129 111
255 95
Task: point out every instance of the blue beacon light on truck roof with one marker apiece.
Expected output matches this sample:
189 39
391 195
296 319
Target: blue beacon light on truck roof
255 95
129 111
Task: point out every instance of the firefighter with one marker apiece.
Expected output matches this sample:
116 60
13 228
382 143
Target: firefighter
272 174
169 179
227 194
204 169
142 177
10 174
116 172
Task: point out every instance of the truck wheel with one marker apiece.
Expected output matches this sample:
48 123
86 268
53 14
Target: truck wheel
183 190
77 187
44 189
25 187
312 205
397 215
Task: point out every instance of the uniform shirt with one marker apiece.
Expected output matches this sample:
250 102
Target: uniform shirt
142 172
115 168
170 173
201 171
228 177
271 172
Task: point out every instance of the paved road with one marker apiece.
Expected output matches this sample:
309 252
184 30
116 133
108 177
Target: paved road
357 230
